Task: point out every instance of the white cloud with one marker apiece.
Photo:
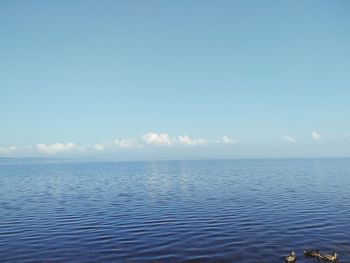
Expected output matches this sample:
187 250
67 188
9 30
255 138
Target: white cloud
316 136
99 147
157 139
227 140
8 150
186 140
289 139
56 147
127 143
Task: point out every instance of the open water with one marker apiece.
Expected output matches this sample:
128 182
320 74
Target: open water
176 211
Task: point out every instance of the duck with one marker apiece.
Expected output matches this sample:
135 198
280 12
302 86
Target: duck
312 253
291 258
329 257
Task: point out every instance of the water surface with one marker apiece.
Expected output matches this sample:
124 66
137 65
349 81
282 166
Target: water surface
178 211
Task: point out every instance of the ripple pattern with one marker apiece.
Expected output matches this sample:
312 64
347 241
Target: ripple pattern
179 211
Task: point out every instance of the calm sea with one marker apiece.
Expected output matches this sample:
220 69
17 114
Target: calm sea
176 211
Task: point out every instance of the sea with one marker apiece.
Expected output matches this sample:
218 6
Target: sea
173 211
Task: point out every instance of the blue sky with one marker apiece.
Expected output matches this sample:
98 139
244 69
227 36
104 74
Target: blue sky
175 79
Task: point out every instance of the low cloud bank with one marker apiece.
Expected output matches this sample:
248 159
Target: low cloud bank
289 139
316 135
8 150
227 140
56 147
150 139
186 140
127 143
157 139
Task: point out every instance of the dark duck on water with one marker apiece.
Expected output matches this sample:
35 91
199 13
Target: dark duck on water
291 258
312 253
329 257
324 256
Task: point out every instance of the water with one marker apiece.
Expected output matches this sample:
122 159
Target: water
180 211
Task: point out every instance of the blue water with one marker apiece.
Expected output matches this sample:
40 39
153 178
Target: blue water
178 211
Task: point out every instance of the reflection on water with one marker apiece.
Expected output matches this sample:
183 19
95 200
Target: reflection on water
195 211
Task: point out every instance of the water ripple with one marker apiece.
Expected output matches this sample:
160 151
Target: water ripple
194 211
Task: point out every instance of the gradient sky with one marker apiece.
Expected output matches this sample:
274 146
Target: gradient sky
125 79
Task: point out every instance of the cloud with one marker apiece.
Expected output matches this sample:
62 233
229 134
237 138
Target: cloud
186 140
127 143
8 150
99 147
124 143
157 139
227 140
56 147
316 136
289 139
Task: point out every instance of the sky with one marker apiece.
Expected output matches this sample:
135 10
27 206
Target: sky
174 79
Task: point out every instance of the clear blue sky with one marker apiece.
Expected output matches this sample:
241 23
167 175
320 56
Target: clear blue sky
272 76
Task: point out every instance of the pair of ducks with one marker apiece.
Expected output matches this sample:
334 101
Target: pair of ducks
292 257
